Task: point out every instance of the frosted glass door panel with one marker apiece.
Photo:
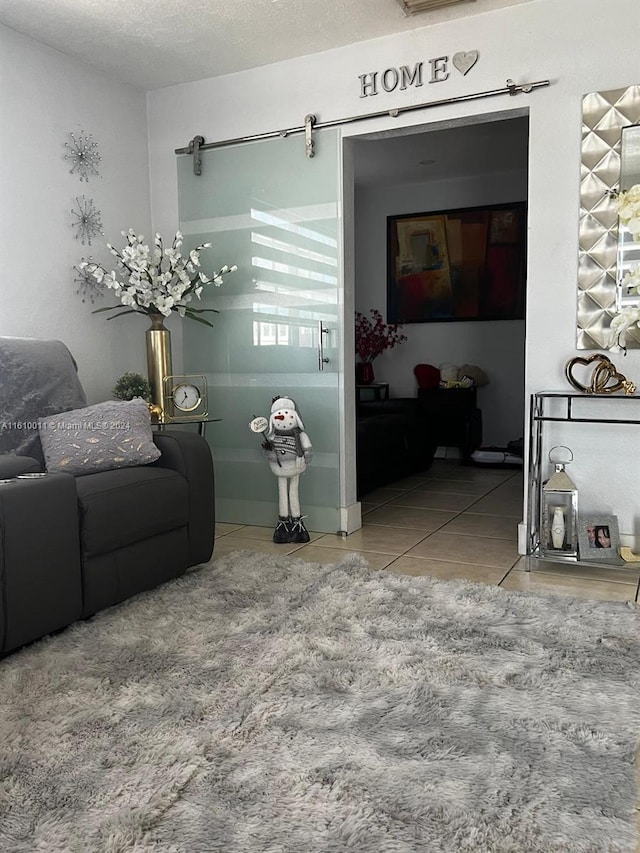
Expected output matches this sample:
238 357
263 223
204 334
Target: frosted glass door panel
272 211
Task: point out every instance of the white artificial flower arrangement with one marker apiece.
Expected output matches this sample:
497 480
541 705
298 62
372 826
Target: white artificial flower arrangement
629 215
158 280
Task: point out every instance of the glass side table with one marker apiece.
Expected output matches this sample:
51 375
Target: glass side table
202 424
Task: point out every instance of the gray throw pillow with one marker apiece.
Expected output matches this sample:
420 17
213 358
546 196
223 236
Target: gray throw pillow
114 434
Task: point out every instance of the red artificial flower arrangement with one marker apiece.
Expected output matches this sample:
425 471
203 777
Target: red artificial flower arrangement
374 336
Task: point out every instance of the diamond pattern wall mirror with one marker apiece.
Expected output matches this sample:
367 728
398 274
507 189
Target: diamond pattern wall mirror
605 147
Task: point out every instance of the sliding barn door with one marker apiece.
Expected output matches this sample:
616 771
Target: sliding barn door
275 213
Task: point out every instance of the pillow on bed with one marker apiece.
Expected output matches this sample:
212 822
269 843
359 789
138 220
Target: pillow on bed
114 434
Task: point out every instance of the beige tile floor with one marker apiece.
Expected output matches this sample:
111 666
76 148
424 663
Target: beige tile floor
452 522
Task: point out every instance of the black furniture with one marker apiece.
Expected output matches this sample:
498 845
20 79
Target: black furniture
454 417
40 558
74 545
372 391
393 440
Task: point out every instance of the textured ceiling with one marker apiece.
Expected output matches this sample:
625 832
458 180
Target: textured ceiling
157 43
455 152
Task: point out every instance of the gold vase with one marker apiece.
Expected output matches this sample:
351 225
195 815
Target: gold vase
158 340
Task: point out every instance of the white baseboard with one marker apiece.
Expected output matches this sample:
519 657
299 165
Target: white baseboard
350 518
522 538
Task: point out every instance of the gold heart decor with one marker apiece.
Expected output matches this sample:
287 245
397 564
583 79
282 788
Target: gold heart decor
628 556
605 379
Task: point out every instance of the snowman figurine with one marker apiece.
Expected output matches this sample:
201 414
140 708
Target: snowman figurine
288 449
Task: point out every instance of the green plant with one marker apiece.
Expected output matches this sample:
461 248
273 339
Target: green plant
131 385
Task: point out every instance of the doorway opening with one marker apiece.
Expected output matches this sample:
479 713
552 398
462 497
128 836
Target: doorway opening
469 163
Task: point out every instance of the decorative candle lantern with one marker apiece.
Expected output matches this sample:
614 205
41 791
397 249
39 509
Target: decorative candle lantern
559 511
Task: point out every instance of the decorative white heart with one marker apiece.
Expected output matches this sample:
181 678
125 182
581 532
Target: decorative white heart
465 60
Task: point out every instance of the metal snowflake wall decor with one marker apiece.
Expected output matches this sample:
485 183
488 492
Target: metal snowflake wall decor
88 220
83 154
88 288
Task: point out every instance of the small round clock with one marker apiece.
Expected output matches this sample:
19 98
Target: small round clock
186 397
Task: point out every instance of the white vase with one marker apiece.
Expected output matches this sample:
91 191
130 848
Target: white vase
558 527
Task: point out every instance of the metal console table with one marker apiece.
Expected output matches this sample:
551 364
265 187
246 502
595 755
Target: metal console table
563 411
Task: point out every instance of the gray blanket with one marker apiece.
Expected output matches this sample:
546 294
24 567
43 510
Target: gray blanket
37 378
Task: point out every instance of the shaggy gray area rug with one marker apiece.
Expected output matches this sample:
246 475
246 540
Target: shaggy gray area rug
268 705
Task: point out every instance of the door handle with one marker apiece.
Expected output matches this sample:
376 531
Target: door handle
322 359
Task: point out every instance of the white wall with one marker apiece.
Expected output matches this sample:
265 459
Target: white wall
576 44
45 95
496 347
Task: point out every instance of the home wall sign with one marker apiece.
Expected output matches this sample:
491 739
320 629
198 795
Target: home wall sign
402 77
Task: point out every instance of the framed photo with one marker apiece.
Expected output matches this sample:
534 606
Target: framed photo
598 538
465 264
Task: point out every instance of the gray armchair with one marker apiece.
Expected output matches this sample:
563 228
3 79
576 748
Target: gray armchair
72 545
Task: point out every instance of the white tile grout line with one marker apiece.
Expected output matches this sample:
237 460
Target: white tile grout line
462 512
456 514
477 498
